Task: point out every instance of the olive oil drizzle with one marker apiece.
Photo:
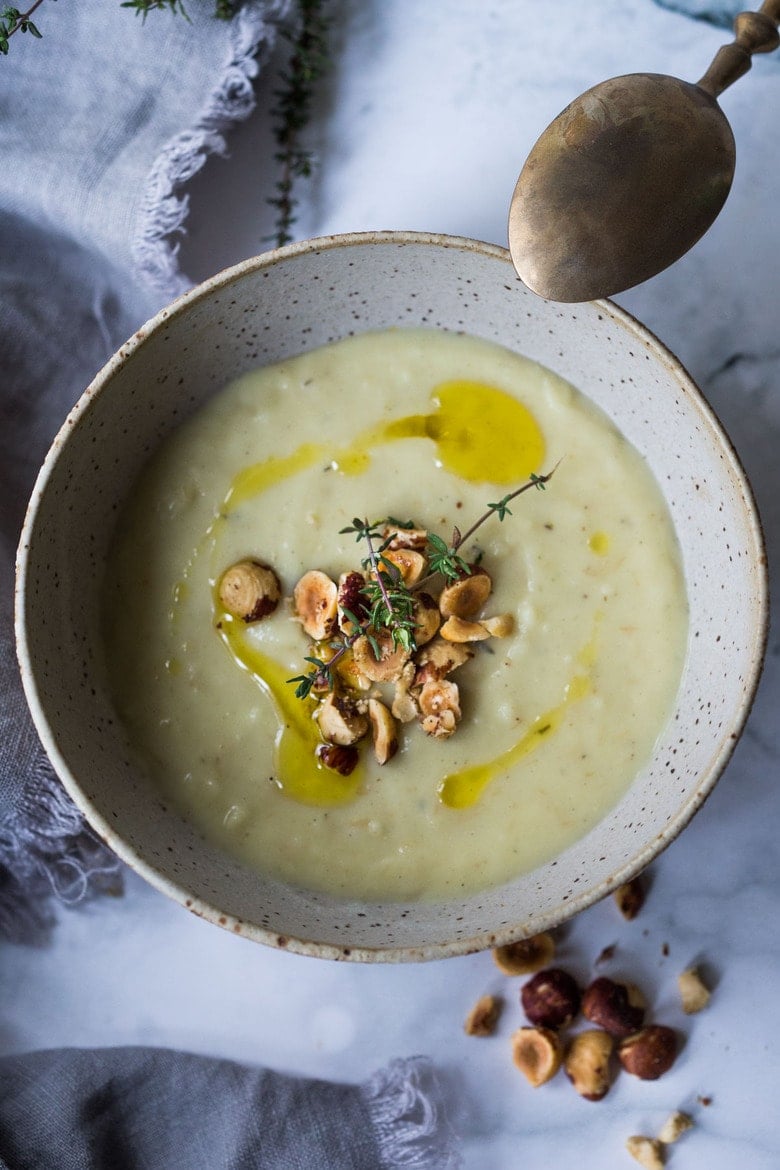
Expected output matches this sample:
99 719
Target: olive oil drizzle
467 422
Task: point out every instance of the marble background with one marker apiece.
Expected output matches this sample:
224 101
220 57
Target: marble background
423 124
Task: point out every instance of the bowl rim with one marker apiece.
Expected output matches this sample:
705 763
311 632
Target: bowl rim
408 952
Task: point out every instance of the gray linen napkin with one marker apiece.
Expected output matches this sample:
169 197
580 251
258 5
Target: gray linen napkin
153 1109
102 122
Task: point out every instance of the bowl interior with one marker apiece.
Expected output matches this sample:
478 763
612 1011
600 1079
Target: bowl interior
280 305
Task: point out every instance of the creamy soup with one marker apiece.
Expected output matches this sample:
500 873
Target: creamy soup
557 716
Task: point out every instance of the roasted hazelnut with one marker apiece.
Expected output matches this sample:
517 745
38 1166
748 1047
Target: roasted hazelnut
338 757
457 629
483 1017
694 994
649 1053
409 564
630 898
383 731
465 597
525 956
439 702
551 998
674 1127
341 720
648 1152
537 1052
315 601
616 1007
587 1063
249 590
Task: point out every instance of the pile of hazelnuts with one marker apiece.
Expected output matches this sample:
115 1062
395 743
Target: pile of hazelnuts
552 1000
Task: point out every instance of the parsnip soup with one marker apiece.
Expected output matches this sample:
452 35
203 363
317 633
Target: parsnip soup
559 702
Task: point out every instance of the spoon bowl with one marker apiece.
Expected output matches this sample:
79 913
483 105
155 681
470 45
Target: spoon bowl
630 175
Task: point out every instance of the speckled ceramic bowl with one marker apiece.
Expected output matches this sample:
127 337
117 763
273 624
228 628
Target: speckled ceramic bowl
279 305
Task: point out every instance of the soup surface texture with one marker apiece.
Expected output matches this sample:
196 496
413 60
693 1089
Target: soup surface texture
558 716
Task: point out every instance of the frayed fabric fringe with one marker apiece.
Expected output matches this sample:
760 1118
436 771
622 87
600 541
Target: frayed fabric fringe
406 1108
164 210
47 853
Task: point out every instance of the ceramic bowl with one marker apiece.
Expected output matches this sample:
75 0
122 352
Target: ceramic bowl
279 305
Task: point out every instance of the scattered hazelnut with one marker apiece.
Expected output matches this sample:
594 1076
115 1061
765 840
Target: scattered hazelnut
483 1017
674 1127
338 757
551 998
537 1052
407 562
387 667
457 629
616 1007
439 703
341 720
648 1152
465 597
442 657
383 730
693 992
500 626
525 956
404 707
427 619
249 590
398 537
587 1063
630 898
315 600
649 1053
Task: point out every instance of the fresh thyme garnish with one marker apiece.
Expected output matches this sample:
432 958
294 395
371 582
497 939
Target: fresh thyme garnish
386 603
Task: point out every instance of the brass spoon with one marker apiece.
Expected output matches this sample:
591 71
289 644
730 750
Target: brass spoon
630 175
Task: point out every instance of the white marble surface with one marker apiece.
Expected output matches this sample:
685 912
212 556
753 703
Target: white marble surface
424 124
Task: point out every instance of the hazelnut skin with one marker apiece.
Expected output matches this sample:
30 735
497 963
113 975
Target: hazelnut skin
614 1007
649 1053
551 999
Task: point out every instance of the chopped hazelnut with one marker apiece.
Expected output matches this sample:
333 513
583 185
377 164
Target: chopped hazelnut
537 1052
586 1063
526 956
693 993
674 1127
390 663
457 629
383 731
404 707
398 537
618 1008
409 563
442 657
630 898
338 757
315 600
500 626
465 597
648 1152
427 619
649 1053
341 720
439 703
249 590
551 998
483 1017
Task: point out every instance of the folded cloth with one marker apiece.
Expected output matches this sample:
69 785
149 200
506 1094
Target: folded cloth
155 1109
102 122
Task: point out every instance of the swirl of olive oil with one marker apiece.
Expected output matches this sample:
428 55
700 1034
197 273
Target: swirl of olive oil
467 421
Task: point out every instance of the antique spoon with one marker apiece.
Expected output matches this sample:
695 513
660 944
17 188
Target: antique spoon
630 175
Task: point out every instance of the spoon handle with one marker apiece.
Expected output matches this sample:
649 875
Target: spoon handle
756 32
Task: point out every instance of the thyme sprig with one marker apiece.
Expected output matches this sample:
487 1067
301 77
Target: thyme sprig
12 20
291 113
390 603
